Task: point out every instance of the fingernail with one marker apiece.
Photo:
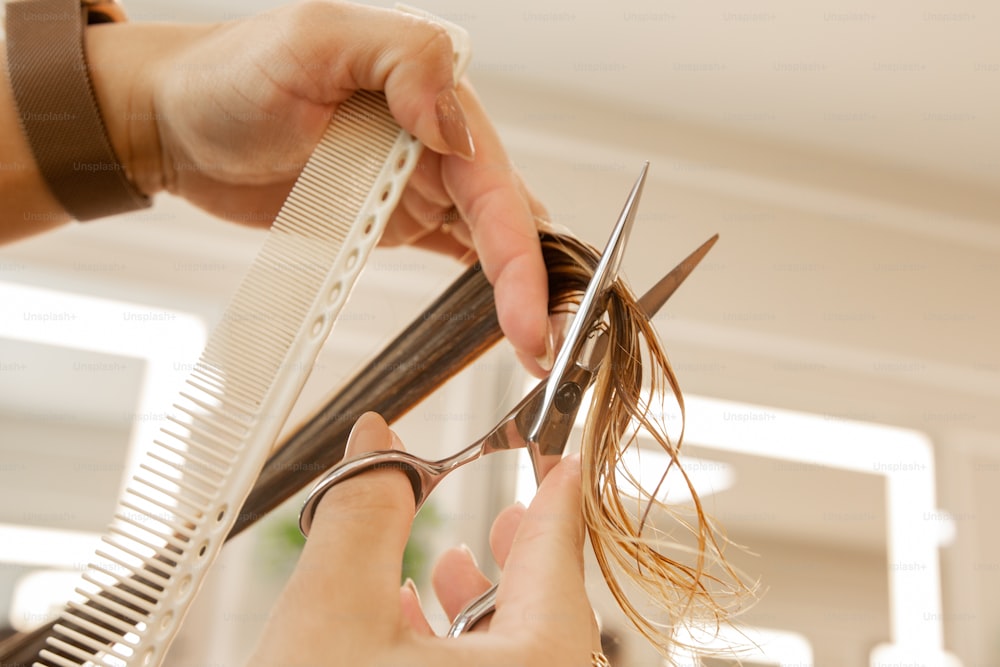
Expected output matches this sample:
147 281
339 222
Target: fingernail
454 126
465 547
396 442
359 425
549 358
413 588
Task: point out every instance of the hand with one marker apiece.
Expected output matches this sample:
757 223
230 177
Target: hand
226 115
343 604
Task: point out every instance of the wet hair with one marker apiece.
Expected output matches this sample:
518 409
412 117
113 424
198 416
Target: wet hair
663 563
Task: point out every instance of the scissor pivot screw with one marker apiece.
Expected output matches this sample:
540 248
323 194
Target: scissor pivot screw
568 397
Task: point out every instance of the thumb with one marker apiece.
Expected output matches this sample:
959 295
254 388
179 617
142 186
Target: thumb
542 588
419 84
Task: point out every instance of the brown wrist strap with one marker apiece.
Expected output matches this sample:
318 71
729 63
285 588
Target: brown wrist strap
58 109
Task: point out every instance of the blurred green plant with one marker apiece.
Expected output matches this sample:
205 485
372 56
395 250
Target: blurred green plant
416 555
283 542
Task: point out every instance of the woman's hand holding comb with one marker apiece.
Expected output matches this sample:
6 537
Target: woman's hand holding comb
226 115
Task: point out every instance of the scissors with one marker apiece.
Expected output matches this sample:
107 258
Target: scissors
543 421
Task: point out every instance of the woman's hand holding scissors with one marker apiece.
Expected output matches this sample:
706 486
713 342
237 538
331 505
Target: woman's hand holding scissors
344 605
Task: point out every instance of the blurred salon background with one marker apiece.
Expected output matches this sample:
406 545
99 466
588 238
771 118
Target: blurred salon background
838 346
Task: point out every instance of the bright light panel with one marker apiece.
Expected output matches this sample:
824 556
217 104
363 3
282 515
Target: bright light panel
83 322
706 476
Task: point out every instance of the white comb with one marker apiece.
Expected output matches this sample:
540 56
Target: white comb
175 513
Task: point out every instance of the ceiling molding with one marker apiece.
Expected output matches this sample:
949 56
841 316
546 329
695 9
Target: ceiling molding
829 202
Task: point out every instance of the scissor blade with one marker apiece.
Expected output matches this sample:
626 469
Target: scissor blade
593 301
546 451
657 295
615 249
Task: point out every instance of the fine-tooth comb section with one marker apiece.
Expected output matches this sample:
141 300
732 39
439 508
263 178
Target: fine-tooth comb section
177 509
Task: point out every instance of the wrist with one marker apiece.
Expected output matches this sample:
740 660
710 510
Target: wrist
124 62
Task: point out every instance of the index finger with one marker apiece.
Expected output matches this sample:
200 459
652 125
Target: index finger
488 194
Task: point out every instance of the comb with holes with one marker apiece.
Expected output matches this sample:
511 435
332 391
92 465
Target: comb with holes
176 511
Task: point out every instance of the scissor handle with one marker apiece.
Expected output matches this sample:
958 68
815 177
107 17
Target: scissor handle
422 475
480 608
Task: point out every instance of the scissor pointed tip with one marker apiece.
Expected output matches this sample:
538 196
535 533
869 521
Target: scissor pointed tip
657 295
700 252
642 176
627 217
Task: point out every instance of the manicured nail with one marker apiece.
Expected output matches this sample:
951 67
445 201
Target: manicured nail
354 439
465 547
413 588
396 442
454 127
545 361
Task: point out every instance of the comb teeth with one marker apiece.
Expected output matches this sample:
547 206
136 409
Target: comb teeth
174 514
